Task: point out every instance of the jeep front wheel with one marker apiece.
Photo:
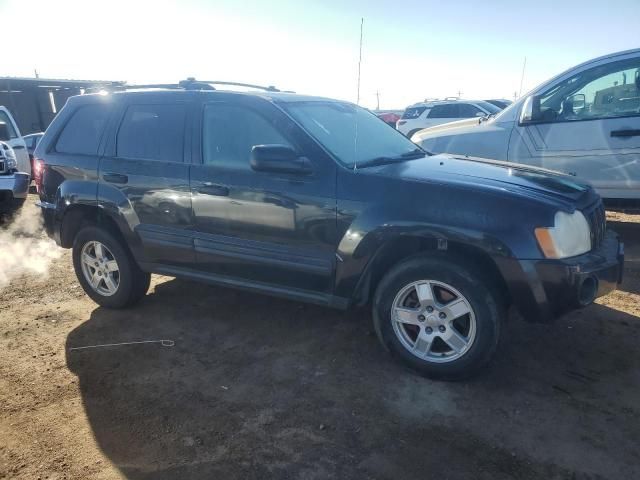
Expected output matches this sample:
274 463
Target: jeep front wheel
438 316
106 270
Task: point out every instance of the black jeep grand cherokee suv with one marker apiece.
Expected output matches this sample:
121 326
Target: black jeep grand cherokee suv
320 201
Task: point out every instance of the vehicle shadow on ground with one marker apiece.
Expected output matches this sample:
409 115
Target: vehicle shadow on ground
257 387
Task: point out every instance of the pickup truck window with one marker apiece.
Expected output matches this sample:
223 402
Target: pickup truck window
152 132
229 132
81 135
352 134
606 91
4 118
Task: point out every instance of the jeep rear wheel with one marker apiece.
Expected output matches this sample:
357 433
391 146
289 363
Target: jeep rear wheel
106 270
438 316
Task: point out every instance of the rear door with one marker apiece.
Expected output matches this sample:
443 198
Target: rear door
144 177
272 228
591 128
443 113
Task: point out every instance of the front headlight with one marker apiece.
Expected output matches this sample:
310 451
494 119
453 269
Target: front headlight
12 163
570 236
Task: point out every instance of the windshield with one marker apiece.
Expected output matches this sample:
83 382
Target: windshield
489 107
351 133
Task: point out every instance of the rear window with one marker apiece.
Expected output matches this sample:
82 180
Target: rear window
413 112
81 135
152 132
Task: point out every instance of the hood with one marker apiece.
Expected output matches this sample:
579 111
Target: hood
457 127
481 173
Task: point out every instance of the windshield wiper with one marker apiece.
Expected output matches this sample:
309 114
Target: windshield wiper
412 155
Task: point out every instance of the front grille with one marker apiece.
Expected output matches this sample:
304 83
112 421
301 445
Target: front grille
597 218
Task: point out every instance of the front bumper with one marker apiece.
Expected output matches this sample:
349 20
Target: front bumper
16 183
545 289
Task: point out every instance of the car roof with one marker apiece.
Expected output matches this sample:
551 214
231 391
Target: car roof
430 103
276 97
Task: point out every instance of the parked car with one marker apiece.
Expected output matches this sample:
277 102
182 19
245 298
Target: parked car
13 185
434 112
31 141
389 117
15 140
584 122
282 197
501 103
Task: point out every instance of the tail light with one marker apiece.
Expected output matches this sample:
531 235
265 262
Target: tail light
38 167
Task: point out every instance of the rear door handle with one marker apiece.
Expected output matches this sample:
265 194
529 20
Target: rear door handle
626 133
210 188
115 177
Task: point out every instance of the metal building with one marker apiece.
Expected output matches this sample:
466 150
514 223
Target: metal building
34 102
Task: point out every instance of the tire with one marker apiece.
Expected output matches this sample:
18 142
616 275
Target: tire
454 288
131 283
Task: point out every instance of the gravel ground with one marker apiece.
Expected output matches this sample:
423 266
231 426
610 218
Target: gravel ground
257 387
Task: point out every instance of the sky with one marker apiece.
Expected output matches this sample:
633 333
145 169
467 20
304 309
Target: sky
411 49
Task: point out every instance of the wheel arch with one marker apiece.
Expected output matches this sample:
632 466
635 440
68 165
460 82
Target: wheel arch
404 247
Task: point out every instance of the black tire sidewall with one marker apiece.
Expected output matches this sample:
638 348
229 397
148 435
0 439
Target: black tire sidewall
125 264
468 282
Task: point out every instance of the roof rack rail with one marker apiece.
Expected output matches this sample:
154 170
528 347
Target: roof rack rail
192 84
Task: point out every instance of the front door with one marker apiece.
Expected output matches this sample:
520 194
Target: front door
145 178
276 229
590 128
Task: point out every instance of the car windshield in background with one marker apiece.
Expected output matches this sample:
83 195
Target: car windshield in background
489 107
352 134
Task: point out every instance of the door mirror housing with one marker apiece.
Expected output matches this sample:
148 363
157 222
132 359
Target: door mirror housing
280 159
578 100
5 136
530 110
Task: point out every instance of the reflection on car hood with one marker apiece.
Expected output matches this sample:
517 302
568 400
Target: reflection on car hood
481 172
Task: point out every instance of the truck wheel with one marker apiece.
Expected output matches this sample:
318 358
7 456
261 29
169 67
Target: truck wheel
439 317
106 270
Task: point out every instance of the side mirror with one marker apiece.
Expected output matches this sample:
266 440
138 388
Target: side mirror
579 101
530 110
4 133
279 158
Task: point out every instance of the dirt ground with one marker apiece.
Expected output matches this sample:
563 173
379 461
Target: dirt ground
257 387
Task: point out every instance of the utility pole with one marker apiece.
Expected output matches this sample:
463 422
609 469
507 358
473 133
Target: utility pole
360 58
459 93
35 71
377 99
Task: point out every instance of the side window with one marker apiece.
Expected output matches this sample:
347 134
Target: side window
81 135
466 110
607 91
229 132
4 118
448 110
413 112
152 132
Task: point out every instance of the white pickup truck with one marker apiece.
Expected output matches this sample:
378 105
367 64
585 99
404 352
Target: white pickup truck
15 166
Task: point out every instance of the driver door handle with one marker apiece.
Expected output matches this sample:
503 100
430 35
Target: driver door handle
625 133
210 188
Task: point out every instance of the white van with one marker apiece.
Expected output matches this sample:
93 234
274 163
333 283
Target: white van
585 122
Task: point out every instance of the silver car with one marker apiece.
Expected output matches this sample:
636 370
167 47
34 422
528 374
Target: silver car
585 122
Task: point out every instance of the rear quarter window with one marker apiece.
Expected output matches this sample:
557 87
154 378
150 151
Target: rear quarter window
81 134
413 112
